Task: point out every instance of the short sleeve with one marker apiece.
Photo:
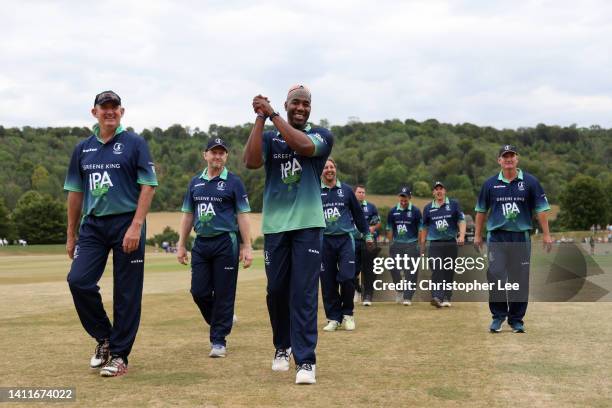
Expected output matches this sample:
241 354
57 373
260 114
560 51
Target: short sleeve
482 205
188 204
74 177
539 197
146 167
241 200
460 214
323 142
418 219
425 220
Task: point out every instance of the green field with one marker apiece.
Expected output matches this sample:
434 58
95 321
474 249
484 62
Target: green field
398 356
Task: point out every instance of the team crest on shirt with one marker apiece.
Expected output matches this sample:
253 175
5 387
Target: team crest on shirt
340 193
521 186
221 185
447 207
118 148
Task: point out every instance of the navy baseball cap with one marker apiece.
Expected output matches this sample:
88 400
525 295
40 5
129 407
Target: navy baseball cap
107 96
438 183
505 149
212 143
405 191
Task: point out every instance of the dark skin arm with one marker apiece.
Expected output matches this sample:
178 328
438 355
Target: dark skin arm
295 138
253 153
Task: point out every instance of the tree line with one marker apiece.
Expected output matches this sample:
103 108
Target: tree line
573 164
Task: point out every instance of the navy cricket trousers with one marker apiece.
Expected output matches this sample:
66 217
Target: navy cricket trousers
412 250
337 276
97 236
442 251
214 273
509 257
293 263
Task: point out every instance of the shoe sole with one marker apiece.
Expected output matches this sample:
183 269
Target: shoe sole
435 304
280 369
216 355
306 382
518 331
108 374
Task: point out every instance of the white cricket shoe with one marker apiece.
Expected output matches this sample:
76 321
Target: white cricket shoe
281 359
407 302
348 322
217 351
101 355
446 303
331 326
306 374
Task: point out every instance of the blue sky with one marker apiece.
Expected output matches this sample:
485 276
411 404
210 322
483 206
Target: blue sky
498 63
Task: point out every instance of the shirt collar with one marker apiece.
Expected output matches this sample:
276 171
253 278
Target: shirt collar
502 178
364 202
323 185
223 174
399 207
96 131
306 129
434 203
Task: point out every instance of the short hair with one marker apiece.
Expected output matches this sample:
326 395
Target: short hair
358 186
331 160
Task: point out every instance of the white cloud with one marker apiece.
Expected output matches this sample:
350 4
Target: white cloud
505 64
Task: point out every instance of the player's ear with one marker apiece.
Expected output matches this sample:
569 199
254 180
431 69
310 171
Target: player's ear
93 112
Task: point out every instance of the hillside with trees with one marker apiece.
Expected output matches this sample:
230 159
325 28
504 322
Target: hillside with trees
381 155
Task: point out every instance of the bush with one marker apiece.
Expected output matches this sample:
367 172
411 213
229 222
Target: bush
40 219
258 243
171 236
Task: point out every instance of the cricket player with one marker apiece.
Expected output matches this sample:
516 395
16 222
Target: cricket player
510 199
110 182
403 223
216 206
364 256
293 156
442 221
342 213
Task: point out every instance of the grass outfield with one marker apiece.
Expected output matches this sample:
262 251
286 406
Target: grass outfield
398 356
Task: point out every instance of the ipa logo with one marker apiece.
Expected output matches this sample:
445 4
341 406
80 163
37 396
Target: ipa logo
206 212
291 172
99 183
510 210
402 229
441 225
332 214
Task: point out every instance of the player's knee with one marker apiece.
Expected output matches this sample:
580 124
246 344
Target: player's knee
79 282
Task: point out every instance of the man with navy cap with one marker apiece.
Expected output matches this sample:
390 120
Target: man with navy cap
510 199
111 182
403 223
216 206
293 156
442 221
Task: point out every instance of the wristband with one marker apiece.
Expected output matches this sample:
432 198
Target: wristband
273 115
261 115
